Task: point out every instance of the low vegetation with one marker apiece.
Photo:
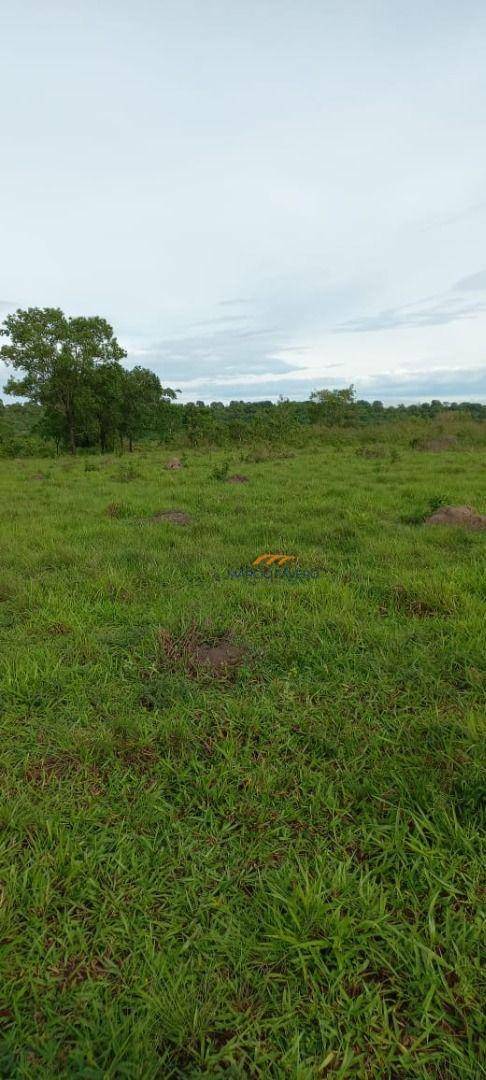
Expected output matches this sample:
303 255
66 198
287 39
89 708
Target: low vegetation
241 816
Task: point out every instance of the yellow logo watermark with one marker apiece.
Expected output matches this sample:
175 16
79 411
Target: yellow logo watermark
274 567
274 560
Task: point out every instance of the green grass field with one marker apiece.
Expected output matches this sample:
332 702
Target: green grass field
271 873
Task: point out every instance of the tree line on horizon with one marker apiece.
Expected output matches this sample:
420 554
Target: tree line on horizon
80 396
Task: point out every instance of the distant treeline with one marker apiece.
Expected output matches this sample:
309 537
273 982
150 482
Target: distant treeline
24 429
80 396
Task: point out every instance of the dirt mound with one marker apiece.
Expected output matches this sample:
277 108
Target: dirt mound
444 442
464 516
176 517
237 479
174 463
219 657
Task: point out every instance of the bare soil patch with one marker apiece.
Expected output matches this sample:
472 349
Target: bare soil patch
137 757
77 970
218 656
60 766
463 516
176 517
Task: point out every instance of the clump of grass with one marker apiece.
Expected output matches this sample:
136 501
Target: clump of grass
220 471
428 506
266 453
126 473
119 510
371 451
436 501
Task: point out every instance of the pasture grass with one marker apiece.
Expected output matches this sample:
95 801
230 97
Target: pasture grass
274 873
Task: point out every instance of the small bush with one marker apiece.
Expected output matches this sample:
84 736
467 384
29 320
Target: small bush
25 446
126 473
220 472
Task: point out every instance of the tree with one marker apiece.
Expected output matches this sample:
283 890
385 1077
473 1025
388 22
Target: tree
197 422
142 396
57 356
336 405
107 384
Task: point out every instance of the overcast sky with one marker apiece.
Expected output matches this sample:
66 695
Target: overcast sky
262 196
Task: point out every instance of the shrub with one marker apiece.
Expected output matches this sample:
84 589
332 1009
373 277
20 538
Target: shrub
220 472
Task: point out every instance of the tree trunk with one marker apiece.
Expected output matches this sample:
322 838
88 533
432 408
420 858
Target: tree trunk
72 436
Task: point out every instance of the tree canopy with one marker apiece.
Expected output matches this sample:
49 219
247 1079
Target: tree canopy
72 368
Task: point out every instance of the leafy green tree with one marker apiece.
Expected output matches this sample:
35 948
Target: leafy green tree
336 405
197 423
107 385
52 425
56 356
142 397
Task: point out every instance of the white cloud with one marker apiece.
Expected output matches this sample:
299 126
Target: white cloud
298 167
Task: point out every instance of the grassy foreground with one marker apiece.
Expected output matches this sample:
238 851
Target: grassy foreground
271 874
